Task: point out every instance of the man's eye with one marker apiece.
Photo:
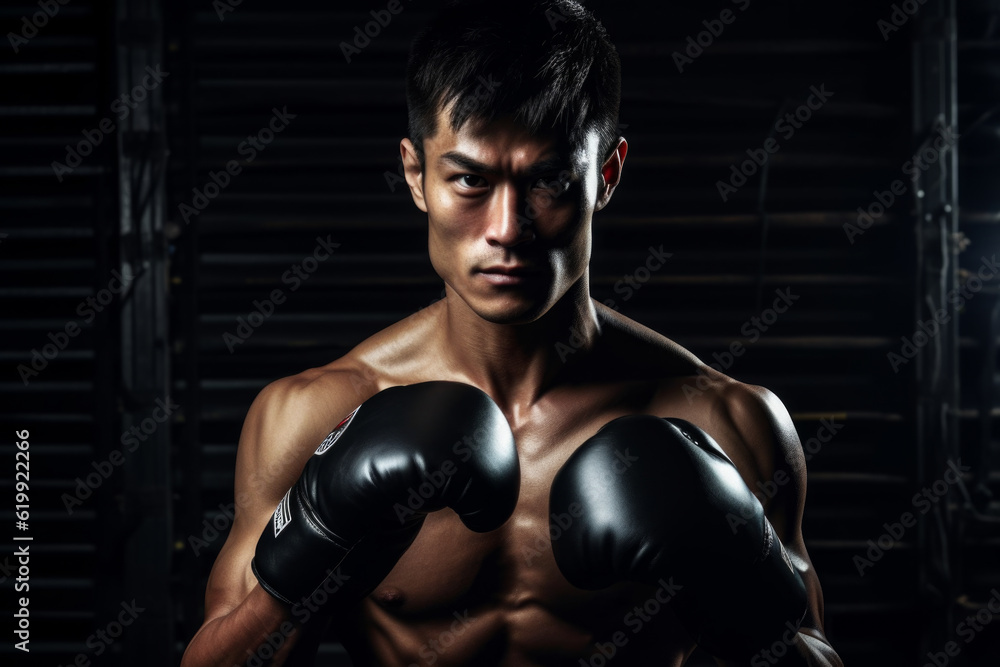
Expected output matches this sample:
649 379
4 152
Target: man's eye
472 181
552 185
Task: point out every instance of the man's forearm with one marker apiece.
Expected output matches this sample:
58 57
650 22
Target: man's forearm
260 627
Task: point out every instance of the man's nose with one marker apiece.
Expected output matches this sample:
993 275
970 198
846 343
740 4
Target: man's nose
508 224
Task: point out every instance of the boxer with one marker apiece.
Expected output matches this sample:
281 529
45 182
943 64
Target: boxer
513 147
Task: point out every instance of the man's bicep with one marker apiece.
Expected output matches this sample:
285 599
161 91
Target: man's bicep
284 425
259 483
231 579
781 486
787 508
269 456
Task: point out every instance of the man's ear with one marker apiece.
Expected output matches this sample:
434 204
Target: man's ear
414 172
611 173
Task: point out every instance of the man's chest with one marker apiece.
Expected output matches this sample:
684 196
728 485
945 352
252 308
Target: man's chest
507 580
449 567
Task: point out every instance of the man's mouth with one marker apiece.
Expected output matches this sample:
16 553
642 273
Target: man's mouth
508 274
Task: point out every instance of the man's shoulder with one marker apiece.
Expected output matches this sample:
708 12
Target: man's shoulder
633 349
748 420
379 361
309 400
401 352
751 424
757 414
285 423
680 371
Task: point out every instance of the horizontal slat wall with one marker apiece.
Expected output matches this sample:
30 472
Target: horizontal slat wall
979 215
55 79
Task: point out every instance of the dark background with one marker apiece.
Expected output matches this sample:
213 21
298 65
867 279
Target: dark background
151 530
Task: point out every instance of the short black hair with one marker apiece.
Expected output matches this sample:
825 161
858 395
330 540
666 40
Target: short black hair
547 63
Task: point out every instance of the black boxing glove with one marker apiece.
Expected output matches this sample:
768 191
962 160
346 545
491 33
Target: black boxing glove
655 498
364 494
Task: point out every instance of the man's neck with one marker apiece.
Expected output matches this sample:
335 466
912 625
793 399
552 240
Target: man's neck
517 363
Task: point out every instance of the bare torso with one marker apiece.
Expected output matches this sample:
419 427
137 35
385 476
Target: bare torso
462 598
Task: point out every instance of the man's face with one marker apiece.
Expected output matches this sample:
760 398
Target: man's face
509 214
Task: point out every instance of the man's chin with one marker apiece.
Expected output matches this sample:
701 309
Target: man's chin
509 311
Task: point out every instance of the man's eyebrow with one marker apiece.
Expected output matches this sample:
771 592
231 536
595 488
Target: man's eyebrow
545 166
464 162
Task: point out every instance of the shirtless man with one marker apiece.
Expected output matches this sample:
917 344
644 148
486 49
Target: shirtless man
510 168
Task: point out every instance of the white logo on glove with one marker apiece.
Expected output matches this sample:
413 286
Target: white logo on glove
282 514
337 432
